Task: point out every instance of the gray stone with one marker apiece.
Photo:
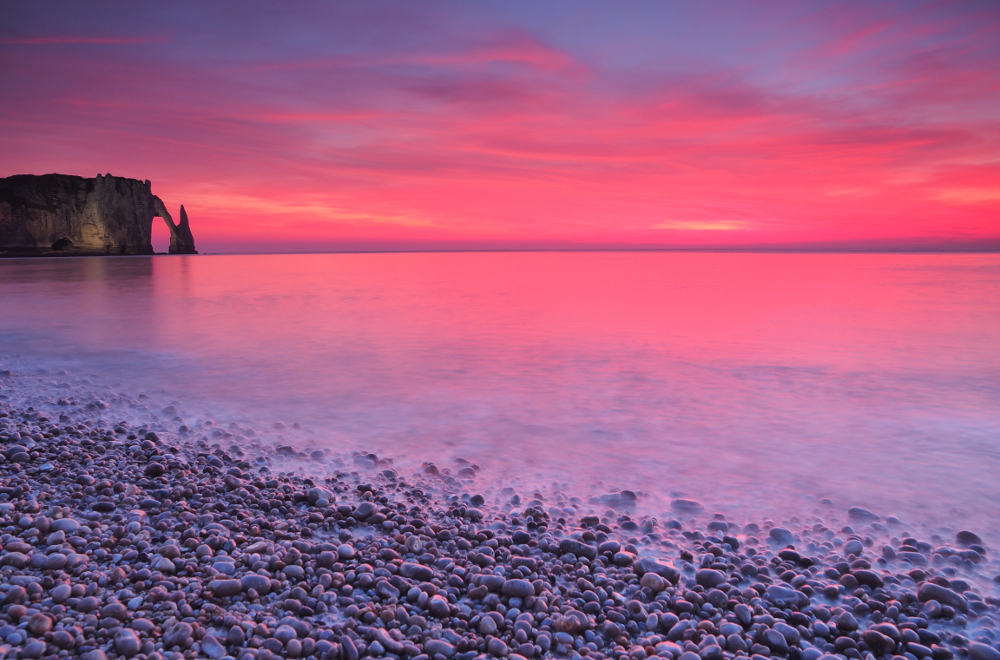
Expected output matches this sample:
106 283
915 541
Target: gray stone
433 646
15 559
226 588
259 583
776 641
650 565
438 606
177 635
653 582
966 537
518 588
868 578
930 591
364 510
211 647
980 651
847 623
64 525
127 643
33 649
316 494
578 548
492 582
782 596
416 572
497 647
142 625
391 645
858 513
791 634
385 589
854 547
709 578
682 505
487 626
782 536
878 642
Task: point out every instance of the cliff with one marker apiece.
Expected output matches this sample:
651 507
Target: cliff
56 214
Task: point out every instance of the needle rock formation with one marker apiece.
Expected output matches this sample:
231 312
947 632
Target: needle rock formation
55 214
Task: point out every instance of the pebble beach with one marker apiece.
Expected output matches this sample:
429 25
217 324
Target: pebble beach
500 331
164 539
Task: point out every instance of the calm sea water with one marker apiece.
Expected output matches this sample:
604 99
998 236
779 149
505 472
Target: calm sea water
756 383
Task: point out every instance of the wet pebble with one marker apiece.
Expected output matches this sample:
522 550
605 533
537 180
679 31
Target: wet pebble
197 553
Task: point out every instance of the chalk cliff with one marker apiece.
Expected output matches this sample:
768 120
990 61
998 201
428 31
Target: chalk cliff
62 214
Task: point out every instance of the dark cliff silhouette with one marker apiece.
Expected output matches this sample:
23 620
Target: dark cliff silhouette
55 214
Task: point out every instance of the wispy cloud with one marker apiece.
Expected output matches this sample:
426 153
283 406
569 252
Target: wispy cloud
702 225
69 40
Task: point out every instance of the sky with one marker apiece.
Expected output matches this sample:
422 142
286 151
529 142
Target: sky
314 126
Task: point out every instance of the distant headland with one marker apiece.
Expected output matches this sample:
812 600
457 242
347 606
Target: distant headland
61 214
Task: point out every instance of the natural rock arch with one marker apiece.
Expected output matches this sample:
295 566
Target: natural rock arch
181 240
63 214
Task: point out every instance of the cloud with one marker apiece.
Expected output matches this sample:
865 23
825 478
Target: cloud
969 195
702 225
71 40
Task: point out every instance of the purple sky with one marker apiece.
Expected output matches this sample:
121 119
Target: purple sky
304 126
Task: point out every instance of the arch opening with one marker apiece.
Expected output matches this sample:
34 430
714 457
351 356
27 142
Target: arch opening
159 237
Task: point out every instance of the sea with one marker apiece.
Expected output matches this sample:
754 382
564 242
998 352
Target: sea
762 385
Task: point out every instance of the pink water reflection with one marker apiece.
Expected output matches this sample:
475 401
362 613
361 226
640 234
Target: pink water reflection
744 380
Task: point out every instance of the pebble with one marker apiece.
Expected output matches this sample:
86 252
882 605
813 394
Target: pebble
33 649
226 588
364 510
177 634
966 537
782 536
435 646
39 624
652 565
497 647
127 643
416 572
709 578
931 591
861 514
211 647
487 626
682 505
980 651
782 596
136 548
259 583
518 588
854 547
438 606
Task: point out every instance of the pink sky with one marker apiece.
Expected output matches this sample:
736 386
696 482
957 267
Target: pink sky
379 125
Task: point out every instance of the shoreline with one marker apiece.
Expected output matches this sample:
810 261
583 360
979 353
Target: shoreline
123 541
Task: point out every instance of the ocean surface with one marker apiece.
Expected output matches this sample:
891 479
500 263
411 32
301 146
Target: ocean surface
758 384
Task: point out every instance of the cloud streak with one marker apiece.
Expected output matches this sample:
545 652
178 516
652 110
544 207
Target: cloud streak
70 40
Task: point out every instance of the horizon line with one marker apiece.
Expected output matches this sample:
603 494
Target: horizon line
4 256
993 250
